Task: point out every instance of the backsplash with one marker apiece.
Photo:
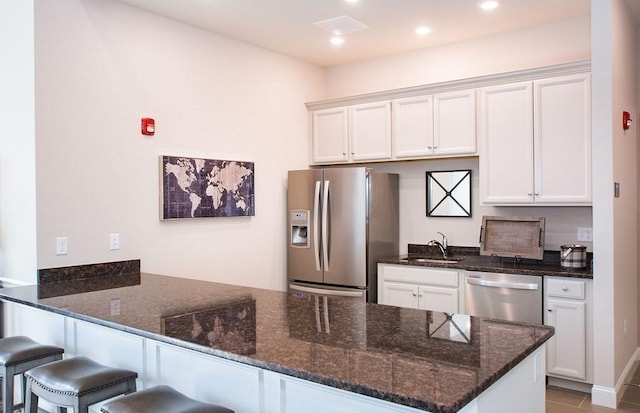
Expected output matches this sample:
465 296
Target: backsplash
549 257
80 272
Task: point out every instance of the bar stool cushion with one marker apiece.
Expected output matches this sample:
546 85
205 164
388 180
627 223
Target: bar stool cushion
78 376
17 355
19 349
76 382
160 399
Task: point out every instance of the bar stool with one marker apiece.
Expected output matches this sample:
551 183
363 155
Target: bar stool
76 382
17 355
160 399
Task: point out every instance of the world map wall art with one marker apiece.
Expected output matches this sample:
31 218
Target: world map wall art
198 188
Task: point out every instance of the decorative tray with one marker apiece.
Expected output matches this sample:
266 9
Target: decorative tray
519 237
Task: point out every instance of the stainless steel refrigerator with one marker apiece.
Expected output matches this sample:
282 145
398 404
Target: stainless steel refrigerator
341 221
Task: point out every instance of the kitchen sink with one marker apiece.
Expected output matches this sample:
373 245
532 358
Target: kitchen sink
431 260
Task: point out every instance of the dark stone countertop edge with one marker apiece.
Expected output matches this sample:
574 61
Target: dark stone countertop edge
417 403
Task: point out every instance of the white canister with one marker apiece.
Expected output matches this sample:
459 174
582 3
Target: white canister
573 256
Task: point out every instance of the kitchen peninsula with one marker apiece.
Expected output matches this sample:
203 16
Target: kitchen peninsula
259 350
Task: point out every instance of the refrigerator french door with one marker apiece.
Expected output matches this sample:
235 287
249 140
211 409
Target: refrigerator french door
340 222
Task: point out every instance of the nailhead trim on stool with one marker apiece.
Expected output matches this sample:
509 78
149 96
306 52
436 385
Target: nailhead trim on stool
76 382
160 399
17 355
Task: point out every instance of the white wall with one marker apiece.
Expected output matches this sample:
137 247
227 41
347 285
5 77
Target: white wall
625 171
615 219
561 42
18 259
637 115
100 67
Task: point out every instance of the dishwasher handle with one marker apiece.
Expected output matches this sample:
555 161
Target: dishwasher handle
502 284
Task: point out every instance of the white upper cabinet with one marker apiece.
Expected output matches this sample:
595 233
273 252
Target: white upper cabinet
413 126
454 123
370 131
562 139
535 142
354 133
505 132
330 135
442 124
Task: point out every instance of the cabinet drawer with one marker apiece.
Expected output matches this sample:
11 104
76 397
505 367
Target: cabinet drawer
420 275
566 288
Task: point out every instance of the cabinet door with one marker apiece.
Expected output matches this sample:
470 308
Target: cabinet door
562 139
566 350
413 127
330 135
370 131
399 294
505 132
438 299
454 123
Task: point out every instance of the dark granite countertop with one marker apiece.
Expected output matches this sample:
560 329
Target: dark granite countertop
410 357
468 259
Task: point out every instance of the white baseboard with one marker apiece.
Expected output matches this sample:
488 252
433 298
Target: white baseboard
569 384
608 396
10 282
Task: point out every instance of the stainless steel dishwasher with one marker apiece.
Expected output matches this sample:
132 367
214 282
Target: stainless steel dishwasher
504 296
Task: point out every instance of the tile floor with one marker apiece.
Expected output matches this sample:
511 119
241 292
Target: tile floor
569 401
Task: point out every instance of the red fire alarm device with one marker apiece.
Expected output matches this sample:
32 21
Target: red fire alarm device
626 120
148 126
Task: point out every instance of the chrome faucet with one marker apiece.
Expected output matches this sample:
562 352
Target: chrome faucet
441 245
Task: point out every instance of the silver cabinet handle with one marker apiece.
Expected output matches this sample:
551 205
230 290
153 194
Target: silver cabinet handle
500 284
565 289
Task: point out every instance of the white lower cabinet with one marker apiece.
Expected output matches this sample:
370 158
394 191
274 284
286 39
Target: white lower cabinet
568 310
424 288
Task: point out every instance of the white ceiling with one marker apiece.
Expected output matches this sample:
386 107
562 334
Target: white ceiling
286 26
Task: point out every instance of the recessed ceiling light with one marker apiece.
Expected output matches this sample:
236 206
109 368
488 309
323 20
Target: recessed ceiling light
488 5
351 1
337 40
423 31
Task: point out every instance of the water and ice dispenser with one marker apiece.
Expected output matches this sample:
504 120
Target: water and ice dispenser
300 228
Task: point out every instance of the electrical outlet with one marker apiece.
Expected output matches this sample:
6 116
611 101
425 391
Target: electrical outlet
114 241
115 306
62 246
585 234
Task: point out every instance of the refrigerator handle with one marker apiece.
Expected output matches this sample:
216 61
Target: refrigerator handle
353 293
316 212
325 226
325 302
316 302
